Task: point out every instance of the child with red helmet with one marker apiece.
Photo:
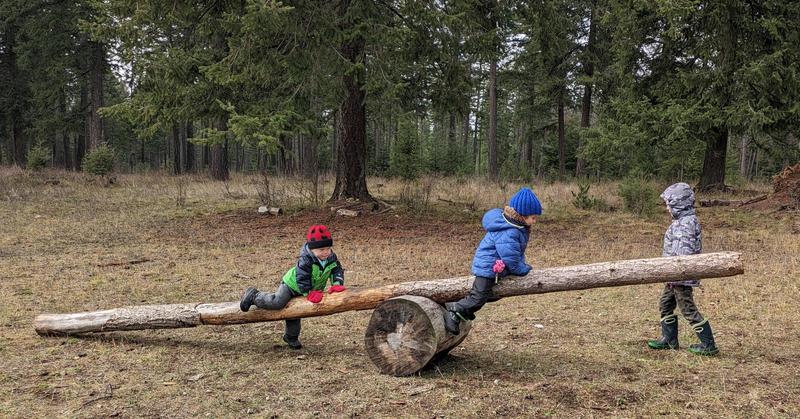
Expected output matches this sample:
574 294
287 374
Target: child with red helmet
316 266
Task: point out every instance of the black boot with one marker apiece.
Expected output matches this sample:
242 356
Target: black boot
248 298
451 320
706 346
293 342
669 334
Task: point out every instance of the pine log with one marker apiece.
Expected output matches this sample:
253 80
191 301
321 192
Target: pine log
405 333
270 210
596 275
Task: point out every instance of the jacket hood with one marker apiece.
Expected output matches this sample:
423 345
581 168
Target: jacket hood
494 220
680 200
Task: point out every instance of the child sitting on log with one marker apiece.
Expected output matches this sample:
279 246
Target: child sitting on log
682 238
316 265
500 253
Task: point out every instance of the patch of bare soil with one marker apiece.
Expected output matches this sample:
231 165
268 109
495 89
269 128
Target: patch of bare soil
249 227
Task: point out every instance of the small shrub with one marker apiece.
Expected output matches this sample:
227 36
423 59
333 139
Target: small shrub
38 157
638 195
582 200
99 161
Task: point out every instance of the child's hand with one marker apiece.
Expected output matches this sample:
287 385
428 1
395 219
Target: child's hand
499 266
314 296
336 288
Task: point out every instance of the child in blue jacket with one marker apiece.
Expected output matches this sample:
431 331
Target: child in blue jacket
506 238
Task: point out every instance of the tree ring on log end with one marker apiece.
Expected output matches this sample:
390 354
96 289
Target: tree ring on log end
406 332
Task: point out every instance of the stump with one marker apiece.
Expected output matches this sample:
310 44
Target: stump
405 333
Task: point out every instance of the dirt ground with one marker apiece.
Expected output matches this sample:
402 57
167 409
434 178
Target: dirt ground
63 248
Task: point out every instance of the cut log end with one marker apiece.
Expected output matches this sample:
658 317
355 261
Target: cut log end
405 333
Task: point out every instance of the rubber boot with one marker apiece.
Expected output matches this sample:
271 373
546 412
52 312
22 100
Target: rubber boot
248 298
451 320
706 347
669 334
293 342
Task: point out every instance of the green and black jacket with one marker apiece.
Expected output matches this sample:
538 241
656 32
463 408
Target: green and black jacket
309 274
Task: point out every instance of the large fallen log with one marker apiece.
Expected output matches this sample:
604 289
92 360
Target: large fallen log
596 275
405 333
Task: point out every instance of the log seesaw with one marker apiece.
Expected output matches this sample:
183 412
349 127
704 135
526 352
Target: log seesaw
406 330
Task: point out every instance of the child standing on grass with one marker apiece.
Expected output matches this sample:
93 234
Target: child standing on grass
682 238
500 253
316 265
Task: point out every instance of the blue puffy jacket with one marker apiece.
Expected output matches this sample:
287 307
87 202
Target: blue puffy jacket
505 239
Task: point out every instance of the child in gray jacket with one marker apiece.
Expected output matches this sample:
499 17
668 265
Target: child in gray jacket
683 237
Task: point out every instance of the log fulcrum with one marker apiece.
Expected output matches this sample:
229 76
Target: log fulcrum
405 333
538 281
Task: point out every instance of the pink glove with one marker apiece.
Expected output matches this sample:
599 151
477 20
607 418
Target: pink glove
336 288
314 296
499 266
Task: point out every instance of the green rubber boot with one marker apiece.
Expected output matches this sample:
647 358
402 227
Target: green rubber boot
706 347
669 334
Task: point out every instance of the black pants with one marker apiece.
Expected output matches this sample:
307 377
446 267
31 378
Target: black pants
277 301
481 293
679 296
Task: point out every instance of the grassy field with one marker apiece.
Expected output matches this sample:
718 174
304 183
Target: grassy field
63 248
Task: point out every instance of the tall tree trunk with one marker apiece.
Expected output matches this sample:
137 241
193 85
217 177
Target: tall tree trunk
219 152
190 152
744 143
452 149
494 170
177 164
713 174
14 123
80 138
562 144
351 162
59 149
97 67
586 105
529 152
476 149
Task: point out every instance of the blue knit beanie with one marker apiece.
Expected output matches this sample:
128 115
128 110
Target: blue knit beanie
525 203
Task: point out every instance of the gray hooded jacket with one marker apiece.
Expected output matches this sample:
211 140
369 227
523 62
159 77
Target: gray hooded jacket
683 236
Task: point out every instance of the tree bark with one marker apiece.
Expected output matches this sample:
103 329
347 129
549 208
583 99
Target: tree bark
219 152
713 174
189 163
604 274
405 333
562 144
97 67
743 161
14 121
177 163
586 105
494 170
351 157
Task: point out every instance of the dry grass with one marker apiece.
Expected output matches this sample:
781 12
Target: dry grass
588 360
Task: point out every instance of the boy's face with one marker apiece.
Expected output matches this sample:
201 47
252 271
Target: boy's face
529 220
322 253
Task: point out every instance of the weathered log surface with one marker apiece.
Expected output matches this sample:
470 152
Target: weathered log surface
405 333
596 275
